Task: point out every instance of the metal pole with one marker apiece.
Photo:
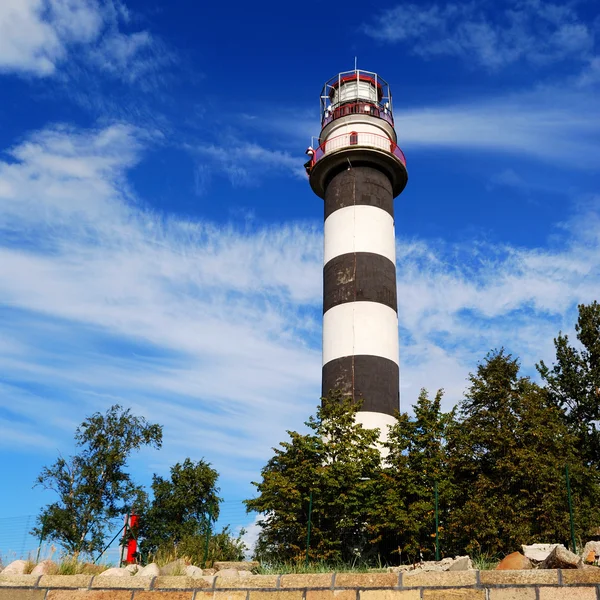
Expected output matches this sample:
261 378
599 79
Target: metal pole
308 529
437 523
125 528
570 509
207 536
37 558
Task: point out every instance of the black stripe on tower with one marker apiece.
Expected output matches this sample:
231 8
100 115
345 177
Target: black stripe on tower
361 276
372 379
359 185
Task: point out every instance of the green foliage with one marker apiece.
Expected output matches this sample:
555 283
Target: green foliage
506 457
93 486
404 517
574 380
183 508
338 462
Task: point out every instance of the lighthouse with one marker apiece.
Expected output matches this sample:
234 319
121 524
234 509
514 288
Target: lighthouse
358 169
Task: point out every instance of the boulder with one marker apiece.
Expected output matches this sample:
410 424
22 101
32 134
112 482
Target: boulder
177 567
590 559
46 567
209 571
115 572
195 572
228 573
237 565
561 558
538 553
151 570
16 567
244 574
514 562
133 569
589 548
461 563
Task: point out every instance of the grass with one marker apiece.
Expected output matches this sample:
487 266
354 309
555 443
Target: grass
287 568
485 562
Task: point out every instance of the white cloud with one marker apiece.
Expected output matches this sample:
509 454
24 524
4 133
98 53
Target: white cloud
38 36
487 34
214 330
557 125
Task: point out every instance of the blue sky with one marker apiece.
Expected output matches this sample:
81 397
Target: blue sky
160 246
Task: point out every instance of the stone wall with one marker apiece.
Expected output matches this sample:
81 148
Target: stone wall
576 584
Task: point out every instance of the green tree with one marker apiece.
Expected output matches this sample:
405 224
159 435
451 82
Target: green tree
338 462
574 380
405 514
93 486
506 453
181 506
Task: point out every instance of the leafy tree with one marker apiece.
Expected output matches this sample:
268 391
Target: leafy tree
507 452
181 506
405 514
93 486
574 380
338 462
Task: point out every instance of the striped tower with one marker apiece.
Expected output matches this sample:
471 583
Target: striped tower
358 170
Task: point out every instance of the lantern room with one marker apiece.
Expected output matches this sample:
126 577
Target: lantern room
356 92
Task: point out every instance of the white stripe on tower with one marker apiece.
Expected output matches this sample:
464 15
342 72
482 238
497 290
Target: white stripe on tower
359 228
363 328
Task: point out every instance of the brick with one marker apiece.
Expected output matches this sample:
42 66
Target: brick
454 594
88 595
14 594
524 593
29 581
222 595
366 580
65 581
571 576
255 581
390 595
439 579
180 582
526 577
139 595
567 593
330 594
275 595
316 580
127 583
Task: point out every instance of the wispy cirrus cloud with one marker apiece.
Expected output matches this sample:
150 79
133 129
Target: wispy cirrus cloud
39 37
491 35
214 330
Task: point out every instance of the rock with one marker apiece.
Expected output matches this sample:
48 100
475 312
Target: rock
195 572
538 553
237 565
209 571
589 548
16 567
151 570
590 559
461 563
561 558
133 569
46 567
228 573
177 567
115 572
514 562
244 574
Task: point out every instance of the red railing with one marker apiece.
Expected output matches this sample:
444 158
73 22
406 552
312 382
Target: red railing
364 139
358 108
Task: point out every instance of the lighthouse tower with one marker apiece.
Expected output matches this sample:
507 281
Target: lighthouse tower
358 169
